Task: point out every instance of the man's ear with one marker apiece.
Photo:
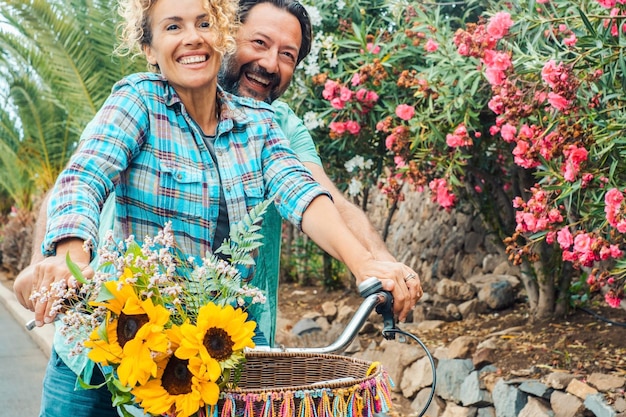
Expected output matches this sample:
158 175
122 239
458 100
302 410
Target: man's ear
147 50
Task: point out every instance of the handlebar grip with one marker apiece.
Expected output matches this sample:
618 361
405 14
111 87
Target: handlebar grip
371 286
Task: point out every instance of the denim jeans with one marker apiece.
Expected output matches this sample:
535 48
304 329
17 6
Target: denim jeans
61 399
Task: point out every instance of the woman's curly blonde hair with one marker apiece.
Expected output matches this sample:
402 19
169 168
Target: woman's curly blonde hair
135 31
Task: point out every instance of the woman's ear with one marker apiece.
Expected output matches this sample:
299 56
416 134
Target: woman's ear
150 57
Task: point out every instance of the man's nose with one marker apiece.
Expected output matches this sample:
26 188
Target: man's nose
269 62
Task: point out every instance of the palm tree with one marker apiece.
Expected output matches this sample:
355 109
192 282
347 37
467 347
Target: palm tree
57 62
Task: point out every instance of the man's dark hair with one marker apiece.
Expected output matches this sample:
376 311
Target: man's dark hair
290 6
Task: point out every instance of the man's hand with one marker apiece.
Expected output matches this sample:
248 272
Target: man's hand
397 278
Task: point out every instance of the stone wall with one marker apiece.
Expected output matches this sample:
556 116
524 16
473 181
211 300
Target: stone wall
436 243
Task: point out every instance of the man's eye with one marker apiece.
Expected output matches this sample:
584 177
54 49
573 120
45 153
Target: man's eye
289 56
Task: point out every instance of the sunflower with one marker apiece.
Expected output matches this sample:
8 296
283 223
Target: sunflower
182 384
107 342
145 323
133 333
220 333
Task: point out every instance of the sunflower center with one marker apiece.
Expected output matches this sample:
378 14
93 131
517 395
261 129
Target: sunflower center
176 379
129 325
218 343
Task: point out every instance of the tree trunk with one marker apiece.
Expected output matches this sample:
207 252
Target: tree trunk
530 285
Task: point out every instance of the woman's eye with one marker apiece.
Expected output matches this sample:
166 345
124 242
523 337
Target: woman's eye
205 25
171 27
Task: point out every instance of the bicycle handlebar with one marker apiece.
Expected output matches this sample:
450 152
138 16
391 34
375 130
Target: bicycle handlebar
375 298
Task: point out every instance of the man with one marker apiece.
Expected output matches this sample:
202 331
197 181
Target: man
275 36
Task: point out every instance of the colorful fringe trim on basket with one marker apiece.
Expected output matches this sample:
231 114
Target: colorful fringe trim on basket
361 400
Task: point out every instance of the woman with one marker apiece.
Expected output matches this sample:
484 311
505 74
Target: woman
174 147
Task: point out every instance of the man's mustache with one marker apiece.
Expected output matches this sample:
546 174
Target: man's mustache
259 71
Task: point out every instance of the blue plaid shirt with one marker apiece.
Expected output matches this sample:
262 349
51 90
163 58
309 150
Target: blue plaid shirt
144 145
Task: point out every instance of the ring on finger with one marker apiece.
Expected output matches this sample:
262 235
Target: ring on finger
409 277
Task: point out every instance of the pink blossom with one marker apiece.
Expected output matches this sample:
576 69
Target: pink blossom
562 27
499 25
495 76
337 103
565 239
612 299
360 94
381 126
582 243
543 1
431 45
570 40
496 104
442 196
607 3
454 141
337 127
550 73
399 161
621 226
558 101
345 94
353 127
371 96
356 79
463 49
613 197
508 132
374 49
497 60
390 141
405 112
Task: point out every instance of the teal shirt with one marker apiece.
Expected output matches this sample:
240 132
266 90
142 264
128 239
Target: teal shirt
267 268
266 276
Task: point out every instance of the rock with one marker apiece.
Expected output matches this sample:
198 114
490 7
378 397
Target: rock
604 382
535 408
462 347
435 408
497 295
417 376
450 375
483 356
565 405
305 326
559 380
329 310
453 290
580 389
596 404
453 410
473 393
536 388
508 400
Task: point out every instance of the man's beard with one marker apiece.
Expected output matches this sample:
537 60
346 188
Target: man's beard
230 80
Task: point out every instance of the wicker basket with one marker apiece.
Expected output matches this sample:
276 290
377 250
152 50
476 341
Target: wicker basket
307 384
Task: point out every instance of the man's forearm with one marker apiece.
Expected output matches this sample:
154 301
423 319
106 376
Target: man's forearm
362 228
354 218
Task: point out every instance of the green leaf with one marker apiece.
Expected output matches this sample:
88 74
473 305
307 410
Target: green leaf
75 270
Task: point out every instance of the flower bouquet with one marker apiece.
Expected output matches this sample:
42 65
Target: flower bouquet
168 332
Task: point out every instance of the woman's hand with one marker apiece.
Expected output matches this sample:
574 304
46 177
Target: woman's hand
51 277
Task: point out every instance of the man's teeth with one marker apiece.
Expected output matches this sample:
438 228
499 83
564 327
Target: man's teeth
192 59
258 79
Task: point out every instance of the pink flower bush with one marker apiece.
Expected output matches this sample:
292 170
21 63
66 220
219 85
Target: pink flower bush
405 112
